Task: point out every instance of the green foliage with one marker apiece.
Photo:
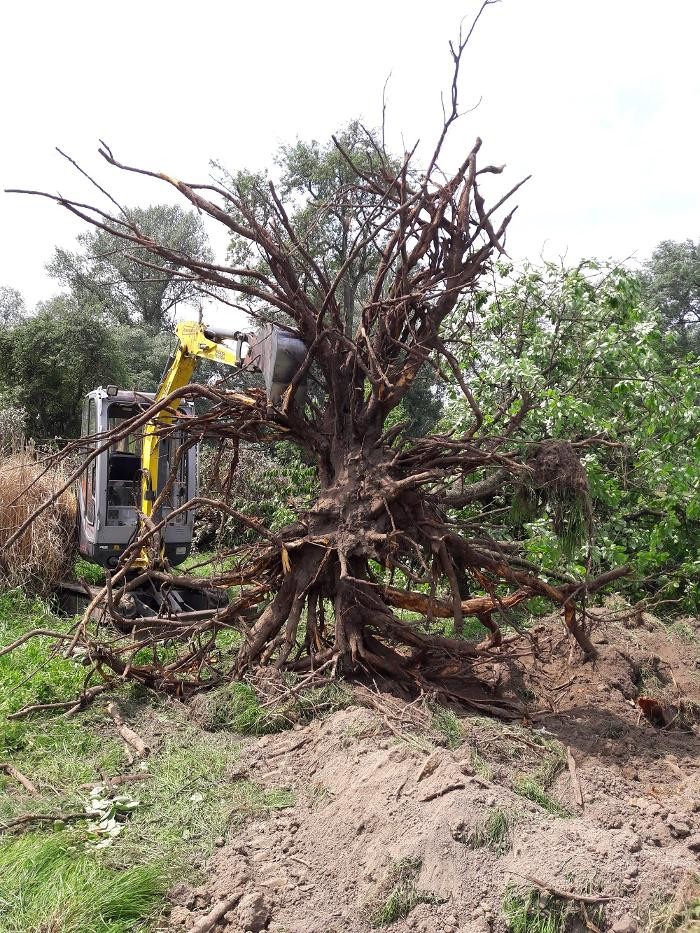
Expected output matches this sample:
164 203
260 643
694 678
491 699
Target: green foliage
533 912
104 272
51 883
272 486
12 307
91 573
142 354
493 833
237 708
246 715
448 725
50 360
532 790
596 363
399 895
672 284
31 674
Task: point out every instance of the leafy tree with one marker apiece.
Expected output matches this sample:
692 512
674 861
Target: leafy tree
12 307
142 355
49 361
672 283
124 279
593 360
315 174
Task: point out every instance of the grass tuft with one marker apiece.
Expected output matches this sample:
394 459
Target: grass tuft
48 883
238 708
493 833
530 789
533 912
678 914
448 726
399 894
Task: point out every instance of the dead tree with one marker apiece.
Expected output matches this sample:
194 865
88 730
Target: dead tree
386 502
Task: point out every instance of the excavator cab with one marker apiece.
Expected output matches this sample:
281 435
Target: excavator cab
128 477
109 495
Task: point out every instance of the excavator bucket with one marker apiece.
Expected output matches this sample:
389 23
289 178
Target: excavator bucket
278 353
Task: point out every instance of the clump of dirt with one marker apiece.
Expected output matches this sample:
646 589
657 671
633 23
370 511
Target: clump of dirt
585 797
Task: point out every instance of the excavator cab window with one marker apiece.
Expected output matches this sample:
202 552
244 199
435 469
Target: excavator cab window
123 467
88 479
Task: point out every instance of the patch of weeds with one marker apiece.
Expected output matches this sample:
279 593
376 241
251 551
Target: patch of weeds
529 788
650 678
320 701
678 914
186 801
357 731
480 764
613 730
399 894
447 725
527 694
48 882
553 763
534 912
31 673
688 713
238 708
684 630
250 799
493 833
91 573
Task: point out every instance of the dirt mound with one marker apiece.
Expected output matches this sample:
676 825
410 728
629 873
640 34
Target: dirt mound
388 829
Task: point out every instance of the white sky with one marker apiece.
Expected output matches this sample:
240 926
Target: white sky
598 99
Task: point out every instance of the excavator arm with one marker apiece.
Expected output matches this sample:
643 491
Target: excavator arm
195 342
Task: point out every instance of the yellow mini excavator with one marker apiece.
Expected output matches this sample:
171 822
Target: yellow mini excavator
128 477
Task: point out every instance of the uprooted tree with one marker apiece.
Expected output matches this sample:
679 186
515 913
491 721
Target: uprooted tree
386 532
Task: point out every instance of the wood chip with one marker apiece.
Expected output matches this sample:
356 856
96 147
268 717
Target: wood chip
573 774
13 772
212 918
128 735
430 766
441 793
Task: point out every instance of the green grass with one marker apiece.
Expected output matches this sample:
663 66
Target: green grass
400 894
237 707
532 912
530 789
448 726
187 801
552 765
678 914
480 764
493 833
48 883
91 573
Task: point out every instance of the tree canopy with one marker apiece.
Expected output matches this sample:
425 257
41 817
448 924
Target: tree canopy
49 361
123 278
672 283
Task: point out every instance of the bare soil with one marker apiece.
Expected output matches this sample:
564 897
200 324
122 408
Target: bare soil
370 794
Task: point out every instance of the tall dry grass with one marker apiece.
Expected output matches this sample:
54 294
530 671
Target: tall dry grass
46 553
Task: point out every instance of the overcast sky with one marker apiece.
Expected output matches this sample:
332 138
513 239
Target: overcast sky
597 99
